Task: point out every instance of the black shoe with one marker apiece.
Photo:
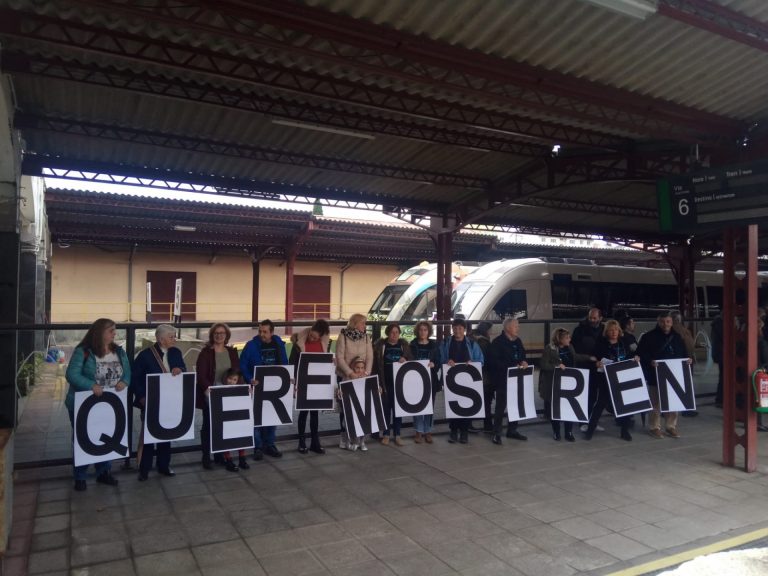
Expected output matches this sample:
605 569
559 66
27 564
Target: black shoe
143 476
80 486
496 439
231 466
517 436
302 447
454 437
464 437
168 472
207 464
569 437
556 436
258 454
317 449
243 463
273 451
625 435
588 434
689 414
106 478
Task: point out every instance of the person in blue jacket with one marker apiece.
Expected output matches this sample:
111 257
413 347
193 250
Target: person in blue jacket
455 350
265 349
98 365
161 357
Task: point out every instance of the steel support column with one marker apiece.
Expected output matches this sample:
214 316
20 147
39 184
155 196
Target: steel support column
255 265
739 345
682 260
444 244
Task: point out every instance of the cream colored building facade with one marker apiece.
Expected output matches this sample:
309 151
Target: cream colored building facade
90 282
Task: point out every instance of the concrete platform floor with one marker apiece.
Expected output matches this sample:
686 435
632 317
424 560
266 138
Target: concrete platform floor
525 508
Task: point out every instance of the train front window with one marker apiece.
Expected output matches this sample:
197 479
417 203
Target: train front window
514 304
387 299
467 296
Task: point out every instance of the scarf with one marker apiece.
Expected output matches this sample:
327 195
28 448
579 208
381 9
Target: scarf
353 334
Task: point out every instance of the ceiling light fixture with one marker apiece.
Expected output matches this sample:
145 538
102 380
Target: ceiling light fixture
326 129
639 9
180 228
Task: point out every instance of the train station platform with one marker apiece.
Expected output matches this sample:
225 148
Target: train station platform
524 508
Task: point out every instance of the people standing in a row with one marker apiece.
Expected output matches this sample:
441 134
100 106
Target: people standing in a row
97 364
214 360
506 351
386 352
161 357
265 349
423 347
316 338
456 350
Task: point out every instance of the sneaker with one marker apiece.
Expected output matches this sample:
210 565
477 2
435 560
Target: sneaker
398 441
231 466
625 435
583 427
496 439
343 444
80 485
353 446
673 433
656 433
385 440
363 447
106 478
428 437
417 438
243 463
598 428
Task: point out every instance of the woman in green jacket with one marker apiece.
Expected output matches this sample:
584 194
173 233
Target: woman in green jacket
97 365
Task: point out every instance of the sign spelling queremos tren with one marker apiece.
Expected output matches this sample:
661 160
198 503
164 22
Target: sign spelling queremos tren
463 390
675 384
413 388
521 404
626 383
272 395
100 426
362 406
570 395
231 417
169 410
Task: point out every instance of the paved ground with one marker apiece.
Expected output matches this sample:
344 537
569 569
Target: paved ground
538 507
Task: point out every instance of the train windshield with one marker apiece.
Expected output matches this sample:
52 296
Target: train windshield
467 296
387 299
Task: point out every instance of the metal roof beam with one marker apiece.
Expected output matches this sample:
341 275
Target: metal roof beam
267 104
219 65
239 150
373 49
130 175
718 19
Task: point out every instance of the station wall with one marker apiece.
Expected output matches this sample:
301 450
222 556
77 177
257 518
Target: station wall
90 282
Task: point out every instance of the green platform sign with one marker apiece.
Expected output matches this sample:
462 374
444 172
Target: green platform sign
714 199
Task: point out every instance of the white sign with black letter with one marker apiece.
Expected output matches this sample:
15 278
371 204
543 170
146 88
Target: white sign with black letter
413 388
231 417
100 426
169 409
626 383
675 385
272 396
315 376
570 395
362 406
463 390
521 404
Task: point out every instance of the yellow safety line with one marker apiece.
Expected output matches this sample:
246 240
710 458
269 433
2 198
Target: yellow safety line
691 554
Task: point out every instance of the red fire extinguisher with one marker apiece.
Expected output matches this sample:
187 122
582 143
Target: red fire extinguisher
760 385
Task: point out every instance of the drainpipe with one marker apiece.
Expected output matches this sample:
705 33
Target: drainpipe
130 282
344 268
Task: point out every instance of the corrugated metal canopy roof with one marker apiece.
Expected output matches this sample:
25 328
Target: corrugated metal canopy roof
446 109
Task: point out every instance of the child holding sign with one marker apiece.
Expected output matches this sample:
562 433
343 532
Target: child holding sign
232 377
358 371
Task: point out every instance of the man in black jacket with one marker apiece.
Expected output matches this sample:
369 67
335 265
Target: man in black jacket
506 352
584 339
661 343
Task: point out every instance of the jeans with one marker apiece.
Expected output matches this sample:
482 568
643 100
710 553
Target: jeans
423 424
264 435
81 472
